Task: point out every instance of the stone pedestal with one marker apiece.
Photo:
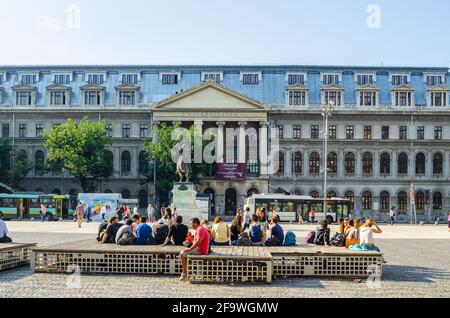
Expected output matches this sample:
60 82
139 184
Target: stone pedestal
184 199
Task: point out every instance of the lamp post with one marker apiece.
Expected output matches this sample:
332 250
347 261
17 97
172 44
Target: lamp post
327 111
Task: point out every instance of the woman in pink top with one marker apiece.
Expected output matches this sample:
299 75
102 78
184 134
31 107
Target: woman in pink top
312 215
43 213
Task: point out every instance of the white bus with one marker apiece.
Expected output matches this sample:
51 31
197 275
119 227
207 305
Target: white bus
290 207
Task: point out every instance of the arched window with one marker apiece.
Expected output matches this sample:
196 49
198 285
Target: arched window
39 159
331 194
437 201
332 163
126 163
349 195
298 163
402 164
420 164
385 163
367 201
126 194
251 192
143 199
402 201
367 163
420 201
314 163
437 164
109 159
350 163
230 201
280 170
143 163
314 194
385 201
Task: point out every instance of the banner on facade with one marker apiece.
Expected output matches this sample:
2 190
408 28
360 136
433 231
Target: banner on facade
231 171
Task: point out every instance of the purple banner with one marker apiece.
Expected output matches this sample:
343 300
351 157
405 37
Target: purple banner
231 171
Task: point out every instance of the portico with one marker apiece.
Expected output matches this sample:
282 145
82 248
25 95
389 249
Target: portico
241 127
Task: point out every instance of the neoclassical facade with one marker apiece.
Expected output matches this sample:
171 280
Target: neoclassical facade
388 129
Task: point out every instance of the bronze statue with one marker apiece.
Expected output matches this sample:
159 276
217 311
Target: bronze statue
183 168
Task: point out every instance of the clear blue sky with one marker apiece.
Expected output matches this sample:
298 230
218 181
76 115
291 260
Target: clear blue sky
413 32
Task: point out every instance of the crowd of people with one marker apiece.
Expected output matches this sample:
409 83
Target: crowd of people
352 234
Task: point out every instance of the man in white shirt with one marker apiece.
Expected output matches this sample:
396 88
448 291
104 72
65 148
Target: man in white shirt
135 210
4 233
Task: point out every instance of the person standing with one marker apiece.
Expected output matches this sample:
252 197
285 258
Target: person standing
103 212
135 211
247 219
150 213
79 212
43 212
392 216
312 216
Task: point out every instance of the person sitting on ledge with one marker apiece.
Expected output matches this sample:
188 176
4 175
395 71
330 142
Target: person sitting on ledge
366 235
161 231
143 232
323 234
125 234
199 247
220 232
4 238
102 230
235 229
178 233
276 233
111 231
257 232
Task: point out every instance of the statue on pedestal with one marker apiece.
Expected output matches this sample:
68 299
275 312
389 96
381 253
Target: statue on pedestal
183 168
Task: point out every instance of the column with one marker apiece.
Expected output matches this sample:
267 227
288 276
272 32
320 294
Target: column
242 144
288 164
134 162
155 131
376 161
446 165
117 159
220 141
429 165
411 164
341 163
358 164
305 167
263 159
394 164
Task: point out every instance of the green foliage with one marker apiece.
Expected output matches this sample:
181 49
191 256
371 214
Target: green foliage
13 168
81 149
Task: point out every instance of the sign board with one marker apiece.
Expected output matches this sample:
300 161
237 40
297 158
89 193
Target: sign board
231 171
95 201
203 202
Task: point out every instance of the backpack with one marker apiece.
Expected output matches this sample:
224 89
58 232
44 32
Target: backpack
273 241
243 240
320 237
290 239
338 240
310 238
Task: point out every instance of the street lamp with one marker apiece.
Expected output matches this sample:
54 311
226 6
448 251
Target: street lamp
327 111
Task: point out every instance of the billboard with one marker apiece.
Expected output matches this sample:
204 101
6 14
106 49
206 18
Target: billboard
231 171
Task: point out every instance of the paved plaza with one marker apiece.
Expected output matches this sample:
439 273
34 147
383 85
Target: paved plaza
418 265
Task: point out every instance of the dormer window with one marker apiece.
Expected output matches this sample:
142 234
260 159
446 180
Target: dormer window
251 78
95 78
295 78
403 96
2 78
24 95
62 78
170 78
437 96
212 76
333 94
28 79
400 79
367 95
130 78
330 79
297 95
364 79
128 95
433 80
58 95
93 95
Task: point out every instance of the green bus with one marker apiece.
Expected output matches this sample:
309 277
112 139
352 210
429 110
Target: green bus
19 206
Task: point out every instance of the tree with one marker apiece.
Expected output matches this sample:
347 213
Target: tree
161 154
81 149
14 167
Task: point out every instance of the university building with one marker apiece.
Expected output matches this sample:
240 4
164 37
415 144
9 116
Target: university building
388 129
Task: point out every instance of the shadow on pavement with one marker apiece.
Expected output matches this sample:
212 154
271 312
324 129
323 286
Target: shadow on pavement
402 273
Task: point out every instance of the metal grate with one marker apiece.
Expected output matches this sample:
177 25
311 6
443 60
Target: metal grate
327 266
14 256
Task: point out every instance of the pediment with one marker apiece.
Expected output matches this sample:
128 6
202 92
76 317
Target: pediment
127 86
333 87
367 87
23 87
209 96
58 87
297 86
92 87
404 87
438 88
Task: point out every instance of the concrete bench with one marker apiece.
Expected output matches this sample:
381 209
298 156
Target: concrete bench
318 261
231 264
13 255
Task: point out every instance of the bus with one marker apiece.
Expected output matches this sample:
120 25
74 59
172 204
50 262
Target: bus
289 207
28 206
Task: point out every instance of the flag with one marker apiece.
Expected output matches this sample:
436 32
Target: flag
412 195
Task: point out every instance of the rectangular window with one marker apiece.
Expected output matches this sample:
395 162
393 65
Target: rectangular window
170 79
296 79
315 132
364 79
403 99
399 79
2 78
403 133
24 98
438 133
22 130
109 130
215 77
39 130
143 131
58 98
92 98
97 79
385 132
130 79
126 131
421 133
367 98
127 98
438 99
332 132
297 98
329 79
367 132
62 79
350 132
433 80
297 132
250 79
279 131
5 130
29 79
333 97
